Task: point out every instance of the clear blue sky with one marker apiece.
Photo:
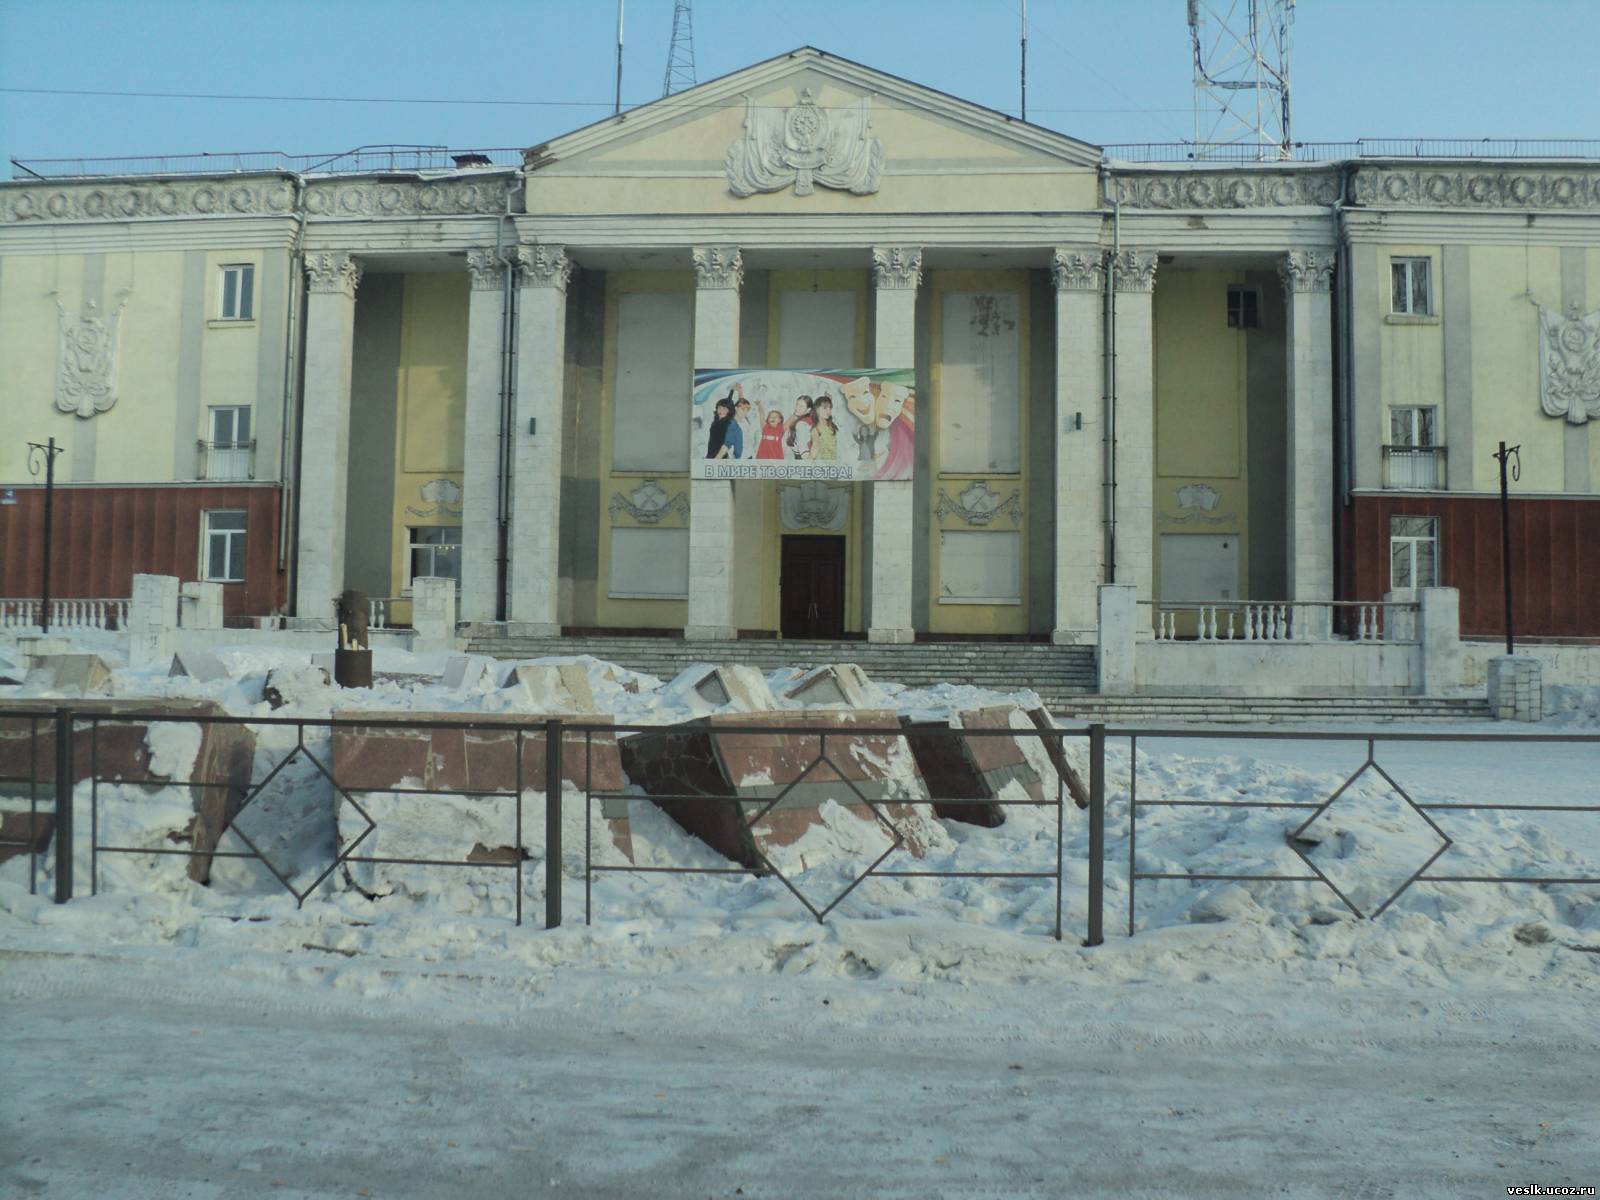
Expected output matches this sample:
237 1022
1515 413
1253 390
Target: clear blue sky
1434 68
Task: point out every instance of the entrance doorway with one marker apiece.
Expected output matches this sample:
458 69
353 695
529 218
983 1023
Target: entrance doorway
811 587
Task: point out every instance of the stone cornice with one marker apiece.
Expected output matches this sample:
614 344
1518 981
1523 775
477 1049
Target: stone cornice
1223 188
1306 271
718 267
1481 187
333 272
123 200
1078 268
389 196
896 267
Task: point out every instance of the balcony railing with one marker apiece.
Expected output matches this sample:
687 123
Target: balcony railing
65 614
227 460
1417 467
1286 621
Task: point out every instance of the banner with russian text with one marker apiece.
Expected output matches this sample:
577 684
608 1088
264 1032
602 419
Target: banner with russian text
847 425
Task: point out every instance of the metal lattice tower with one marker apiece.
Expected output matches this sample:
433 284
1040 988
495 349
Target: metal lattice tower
680 55
1241 78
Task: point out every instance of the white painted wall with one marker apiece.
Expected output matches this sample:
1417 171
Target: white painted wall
1279 668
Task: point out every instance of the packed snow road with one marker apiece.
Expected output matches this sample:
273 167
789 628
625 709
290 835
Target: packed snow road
164 1074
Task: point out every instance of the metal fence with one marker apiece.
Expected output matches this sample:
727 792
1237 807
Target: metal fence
1295 839
58 736
1488 148
363 160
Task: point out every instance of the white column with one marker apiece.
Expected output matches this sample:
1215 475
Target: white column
896 274
1307 281
480 478
543 272
1079 439
325 431
1134 274
718 274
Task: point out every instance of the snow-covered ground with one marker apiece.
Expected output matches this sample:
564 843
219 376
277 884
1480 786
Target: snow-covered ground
703 1036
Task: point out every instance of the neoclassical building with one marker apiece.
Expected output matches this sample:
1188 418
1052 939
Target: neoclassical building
1215 382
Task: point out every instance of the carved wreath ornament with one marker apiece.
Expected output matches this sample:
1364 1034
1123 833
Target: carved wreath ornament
802 145
648 503
1569 364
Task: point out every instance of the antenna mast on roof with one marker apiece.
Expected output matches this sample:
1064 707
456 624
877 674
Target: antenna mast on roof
680 55
1241 78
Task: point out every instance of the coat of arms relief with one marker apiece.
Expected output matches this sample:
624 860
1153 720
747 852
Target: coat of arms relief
1569 364
86 374
803 145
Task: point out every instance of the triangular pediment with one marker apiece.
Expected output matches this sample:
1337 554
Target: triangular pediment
818 132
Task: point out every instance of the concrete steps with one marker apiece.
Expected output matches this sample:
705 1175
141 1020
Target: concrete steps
1053 671
1267 710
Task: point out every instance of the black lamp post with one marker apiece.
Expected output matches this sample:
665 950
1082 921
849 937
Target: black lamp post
47 454
1504 457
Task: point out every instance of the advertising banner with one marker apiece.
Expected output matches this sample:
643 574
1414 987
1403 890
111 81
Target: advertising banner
843 424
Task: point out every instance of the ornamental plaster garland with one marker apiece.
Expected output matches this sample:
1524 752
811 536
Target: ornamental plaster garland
1569 364
86 375
803 145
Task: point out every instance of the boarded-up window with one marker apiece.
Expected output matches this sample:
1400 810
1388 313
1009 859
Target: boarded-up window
651 398
817 329
980 382
649 564
980 568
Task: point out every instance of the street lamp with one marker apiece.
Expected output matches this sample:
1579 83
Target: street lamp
1505 456
47 455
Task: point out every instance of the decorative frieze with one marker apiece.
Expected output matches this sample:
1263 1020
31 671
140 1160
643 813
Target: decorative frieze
1226 189
1306 271
1134 270
333 271
406 197
542 266
1569 190
718 267
648 504
977 505
896 267
1569 364
126 202
1079 269
804 145
86 372
487 271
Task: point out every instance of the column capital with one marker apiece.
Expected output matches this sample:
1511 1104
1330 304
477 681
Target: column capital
1134 270
1079 268
333 271
486 268
1306 271
542 265
718 267
898 267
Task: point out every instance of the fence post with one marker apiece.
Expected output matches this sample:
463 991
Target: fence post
552 823
1097 833
64 789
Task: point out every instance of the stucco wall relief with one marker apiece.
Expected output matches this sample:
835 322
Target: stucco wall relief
1569 364
1399 187
117 202
803 145
86 373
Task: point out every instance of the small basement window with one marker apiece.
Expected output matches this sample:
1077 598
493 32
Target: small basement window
1244 307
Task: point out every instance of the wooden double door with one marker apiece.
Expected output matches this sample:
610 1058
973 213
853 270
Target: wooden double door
811 587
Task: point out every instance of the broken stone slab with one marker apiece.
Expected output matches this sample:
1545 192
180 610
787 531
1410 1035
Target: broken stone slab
31 647
554 687
72 674
835 684
962 772
475 772
745 688
25 833
199 665
463 672
732 777
10 672
126 747
285 685
1055 748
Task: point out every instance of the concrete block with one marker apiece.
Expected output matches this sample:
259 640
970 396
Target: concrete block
10 672
34 647
554 687
1115 652
200 605
148 647
733 777
1515 688
745 688
72 674
288 685
200 665
835 684
462 671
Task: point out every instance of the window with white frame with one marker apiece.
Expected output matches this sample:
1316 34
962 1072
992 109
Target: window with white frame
1413 553
1412 428
236 300
228 448
433 551
1411 287
222 545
